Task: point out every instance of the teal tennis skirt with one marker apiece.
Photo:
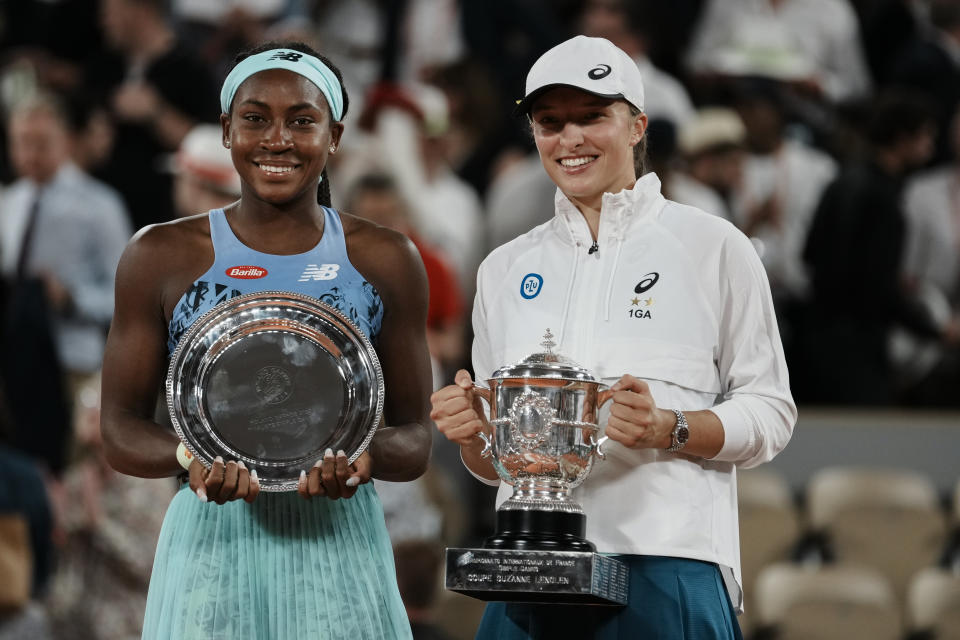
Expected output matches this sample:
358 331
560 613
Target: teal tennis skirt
282 567
670 599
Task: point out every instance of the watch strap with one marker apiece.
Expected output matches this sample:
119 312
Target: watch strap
681 432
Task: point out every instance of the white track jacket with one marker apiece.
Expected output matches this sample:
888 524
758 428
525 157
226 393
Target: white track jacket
674 296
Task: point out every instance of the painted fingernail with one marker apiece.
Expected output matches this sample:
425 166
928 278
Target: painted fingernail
316 465
241 465
303 478
328 453
218 459
341 454
254 478
202 494
352 481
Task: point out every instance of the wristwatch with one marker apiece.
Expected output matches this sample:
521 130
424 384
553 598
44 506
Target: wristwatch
681 432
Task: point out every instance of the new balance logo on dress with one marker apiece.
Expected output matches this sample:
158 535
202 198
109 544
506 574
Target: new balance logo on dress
319 272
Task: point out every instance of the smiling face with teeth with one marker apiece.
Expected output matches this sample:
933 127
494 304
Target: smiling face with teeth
586 143
280 132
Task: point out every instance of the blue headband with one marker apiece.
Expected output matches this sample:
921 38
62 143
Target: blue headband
304 64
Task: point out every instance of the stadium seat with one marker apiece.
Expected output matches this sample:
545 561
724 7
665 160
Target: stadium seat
933 603
829 602
887 519
769 528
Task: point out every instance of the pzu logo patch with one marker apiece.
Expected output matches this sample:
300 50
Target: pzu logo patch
640 306
530 285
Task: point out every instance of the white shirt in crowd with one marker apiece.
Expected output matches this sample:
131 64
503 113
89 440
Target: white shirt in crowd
796 176
796 40
932 207
81 231
663 95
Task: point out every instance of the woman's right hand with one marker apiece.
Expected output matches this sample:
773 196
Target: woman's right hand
223 482
458 411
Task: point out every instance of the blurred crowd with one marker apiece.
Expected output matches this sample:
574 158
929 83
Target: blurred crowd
827 130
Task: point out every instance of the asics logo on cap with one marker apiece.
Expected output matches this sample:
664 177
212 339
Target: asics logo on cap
599 71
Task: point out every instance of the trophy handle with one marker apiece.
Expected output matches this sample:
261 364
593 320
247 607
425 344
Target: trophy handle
597 447
487 444
603 396
486 394
483 392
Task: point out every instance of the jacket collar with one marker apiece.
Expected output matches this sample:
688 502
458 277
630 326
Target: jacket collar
618 211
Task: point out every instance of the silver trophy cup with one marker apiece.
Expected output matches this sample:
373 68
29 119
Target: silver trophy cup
544 412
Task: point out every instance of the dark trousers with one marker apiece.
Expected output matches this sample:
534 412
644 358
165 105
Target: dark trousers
669 599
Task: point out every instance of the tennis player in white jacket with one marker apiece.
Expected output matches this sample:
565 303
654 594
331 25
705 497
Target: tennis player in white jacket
671 306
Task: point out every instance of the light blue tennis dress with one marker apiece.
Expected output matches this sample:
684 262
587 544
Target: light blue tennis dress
282 567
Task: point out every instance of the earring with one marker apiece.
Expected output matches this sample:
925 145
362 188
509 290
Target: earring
333 148
227 144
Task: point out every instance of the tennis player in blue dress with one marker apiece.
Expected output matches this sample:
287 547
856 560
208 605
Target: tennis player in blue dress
233 562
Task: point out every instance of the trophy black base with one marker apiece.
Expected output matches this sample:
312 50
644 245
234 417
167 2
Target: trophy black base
543 577
536 530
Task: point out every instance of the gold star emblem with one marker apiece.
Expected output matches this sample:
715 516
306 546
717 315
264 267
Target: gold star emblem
648 301
635 302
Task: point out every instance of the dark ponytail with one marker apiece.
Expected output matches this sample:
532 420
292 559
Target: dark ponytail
323 189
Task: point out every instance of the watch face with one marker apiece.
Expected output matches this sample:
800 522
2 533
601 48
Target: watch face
682 434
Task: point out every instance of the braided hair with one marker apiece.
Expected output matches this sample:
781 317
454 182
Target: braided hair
323 189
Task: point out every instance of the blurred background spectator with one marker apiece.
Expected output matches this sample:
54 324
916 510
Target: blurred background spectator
814 45
61 235
782 182
403 136
156 89
821 128
26 541
204 175
377 198
929 368
712 151
862 207
930 64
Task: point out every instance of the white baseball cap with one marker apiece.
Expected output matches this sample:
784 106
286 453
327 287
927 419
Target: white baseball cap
594 65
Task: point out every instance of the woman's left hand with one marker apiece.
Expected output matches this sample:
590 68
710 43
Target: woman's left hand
333 477
635 421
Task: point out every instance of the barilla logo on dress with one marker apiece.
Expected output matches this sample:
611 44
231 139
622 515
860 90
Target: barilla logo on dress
246 272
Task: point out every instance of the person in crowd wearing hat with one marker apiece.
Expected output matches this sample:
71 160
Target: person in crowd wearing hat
204 175
712 146
669 305
233 562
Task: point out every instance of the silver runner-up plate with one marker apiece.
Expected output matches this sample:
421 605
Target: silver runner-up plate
274 379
